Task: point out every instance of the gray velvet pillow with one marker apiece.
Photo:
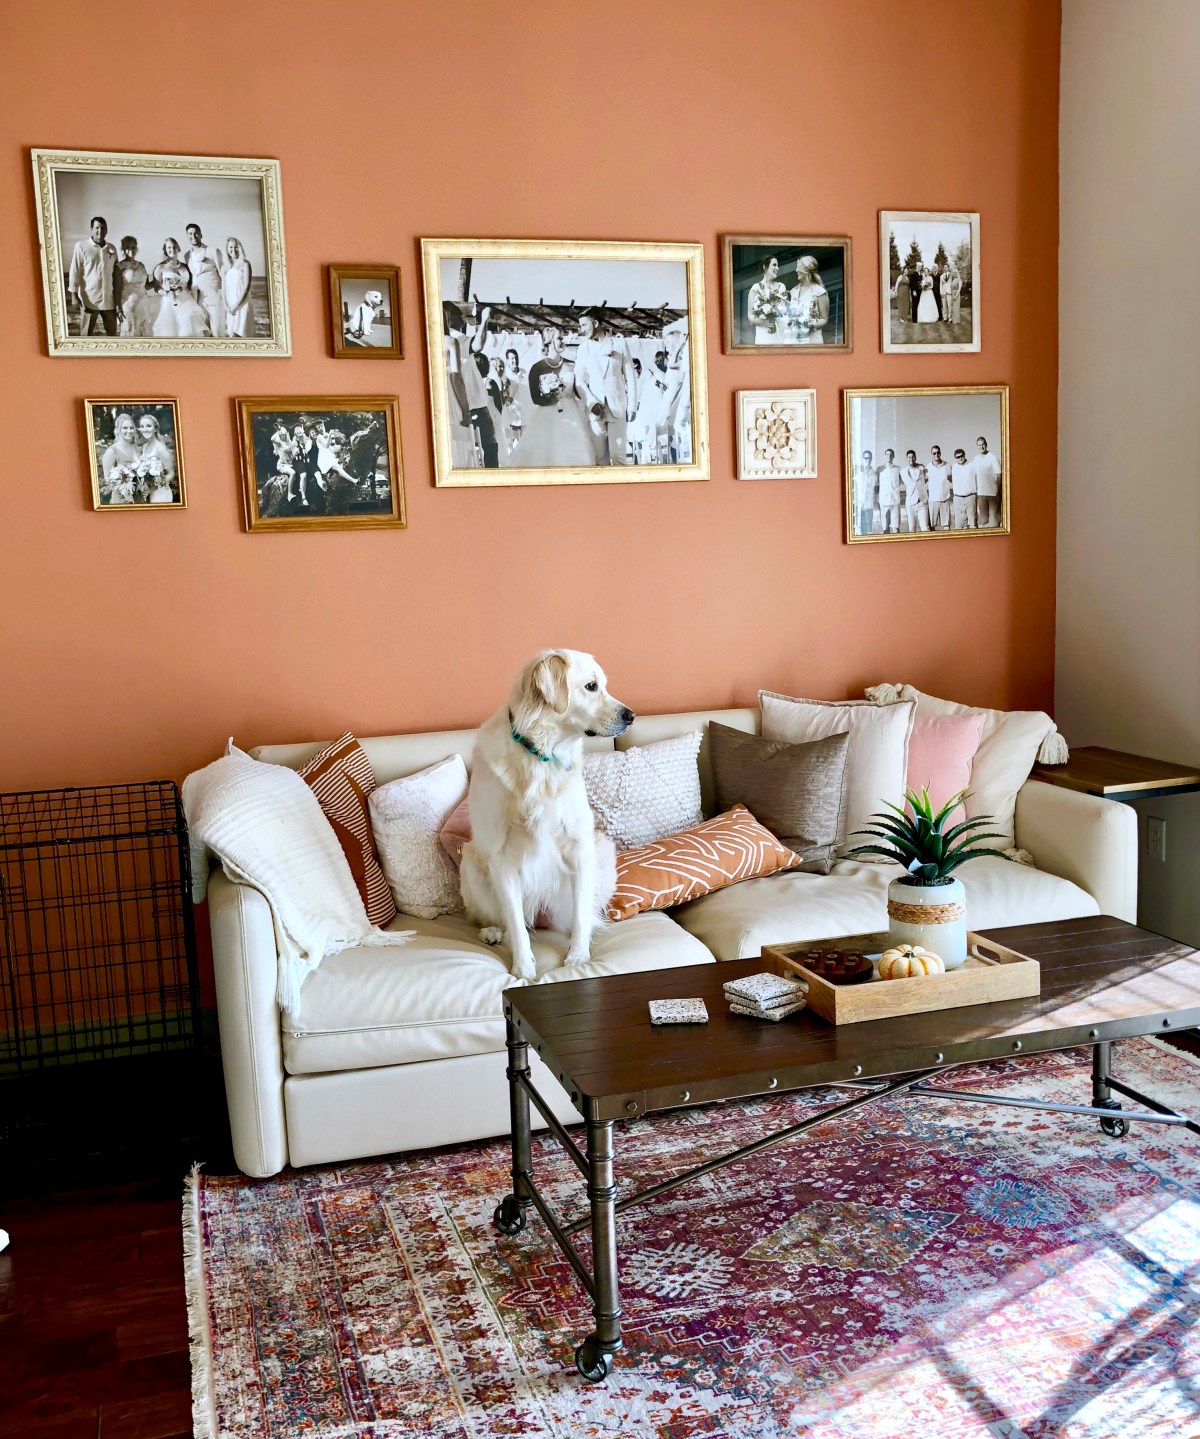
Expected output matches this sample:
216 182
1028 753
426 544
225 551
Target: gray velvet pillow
798 791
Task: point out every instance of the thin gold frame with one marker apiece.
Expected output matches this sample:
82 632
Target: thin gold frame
849 396
337 344
691 255
89 407
48 163
730 346
886 344
245 407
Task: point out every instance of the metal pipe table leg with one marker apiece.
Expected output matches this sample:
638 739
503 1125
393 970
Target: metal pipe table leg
593 1357
509 1217
1101 1093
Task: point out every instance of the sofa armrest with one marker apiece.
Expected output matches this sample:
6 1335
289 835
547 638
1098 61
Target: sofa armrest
245 963
1092 842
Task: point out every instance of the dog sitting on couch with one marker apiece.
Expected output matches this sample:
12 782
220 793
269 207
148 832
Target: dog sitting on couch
534 846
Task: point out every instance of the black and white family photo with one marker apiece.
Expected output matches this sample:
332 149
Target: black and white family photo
930 282
552 364
135 453
783 293
365 311
318 464
172 262
923 463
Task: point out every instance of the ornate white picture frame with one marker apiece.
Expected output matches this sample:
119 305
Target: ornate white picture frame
776 434
161 254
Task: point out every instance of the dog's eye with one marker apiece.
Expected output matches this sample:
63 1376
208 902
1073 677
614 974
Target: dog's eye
591 685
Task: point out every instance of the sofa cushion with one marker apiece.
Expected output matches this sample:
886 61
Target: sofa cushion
639 795
737 922
440 995
407 815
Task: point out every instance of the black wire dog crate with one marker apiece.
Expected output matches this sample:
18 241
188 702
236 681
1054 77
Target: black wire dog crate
99 987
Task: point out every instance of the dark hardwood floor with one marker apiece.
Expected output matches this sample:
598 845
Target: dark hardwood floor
93 1322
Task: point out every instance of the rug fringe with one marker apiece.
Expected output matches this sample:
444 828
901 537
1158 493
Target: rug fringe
204 1409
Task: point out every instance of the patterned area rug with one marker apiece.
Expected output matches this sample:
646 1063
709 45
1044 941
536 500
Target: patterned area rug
923 1268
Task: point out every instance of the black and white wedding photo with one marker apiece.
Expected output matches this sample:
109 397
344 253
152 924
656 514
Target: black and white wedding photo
135 454
162 255
926 463
364 311
321 462
562 362
786 293
929 282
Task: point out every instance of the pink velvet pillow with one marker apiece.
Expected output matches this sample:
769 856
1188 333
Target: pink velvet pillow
940 751
456 831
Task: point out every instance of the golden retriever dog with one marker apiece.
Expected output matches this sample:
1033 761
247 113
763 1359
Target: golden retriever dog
534 847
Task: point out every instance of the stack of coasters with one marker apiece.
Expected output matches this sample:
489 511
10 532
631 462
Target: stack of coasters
766 996
678 1011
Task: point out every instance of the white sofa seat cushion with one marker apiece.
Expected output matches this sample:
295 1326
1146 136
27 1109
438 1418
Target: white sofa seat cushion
736 922
440 996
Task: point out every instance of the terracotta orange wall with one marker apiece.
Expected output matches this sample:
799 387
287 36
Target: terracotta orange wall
132 645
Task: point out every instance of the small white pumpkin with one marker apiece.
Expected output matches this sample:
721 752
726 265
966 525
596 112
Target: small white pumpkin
909 961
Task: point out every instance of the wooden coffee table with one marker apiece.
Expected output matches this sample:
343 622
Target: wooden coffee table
1102 980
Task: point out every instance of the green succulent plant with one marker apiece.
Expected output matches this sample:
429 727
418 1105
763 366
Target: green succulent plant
916 838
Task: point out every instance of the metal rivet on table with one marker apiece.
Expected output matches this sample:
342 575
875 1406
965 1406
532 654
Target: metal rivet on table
1016 1044
773 1084
1166 1024
631 1105
938 1057
686 1095
858 1069
1093 1034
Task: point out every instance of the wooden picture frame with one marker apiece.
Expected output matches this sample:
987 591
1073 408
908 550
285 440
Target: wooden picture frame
931 234
776 434
135 455
327 477
166 310
351 337
638 306
877 421
742 273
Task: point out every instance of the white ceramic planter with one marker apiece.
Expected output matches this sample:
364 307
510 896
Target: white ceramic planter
934 916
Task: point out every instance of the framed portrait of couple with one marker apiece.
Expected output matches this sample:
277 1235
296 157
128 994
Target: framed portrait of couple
786 294
566 362
161 254
929 293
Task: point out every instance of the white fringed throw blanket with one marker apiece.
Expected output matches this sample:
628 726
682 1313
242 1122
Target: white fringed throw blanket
265 826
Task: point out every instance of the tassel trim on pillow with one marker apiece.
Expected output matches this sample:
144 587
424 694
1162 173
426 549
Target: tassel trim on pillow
1053 749
1019 856
884 694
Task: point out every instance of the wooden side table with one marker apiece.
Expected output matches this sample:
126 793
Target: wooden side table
1113 774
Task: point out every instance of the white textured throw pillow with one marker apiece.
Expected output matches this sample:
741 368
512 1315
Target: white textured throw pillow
1011 742
407 815
640 795
876 756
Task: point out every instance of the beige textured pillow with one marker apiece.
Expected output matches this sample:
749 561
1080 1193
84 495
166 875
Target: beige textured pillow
797 790
641 794
1010 744
341 777
680 867
877 756
407 816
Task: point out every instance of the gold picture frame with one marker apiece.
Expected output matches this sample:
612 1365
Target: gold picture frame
544 291
933 233
328 478
347 341
167 194
898 420
141 469
742 259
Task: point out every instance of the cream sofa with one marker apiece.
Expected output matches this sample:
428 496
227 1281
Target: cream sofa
398 1049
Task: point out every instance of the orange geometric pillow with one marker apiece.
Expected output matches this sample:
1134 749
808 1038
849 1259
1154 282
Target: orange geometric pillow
341 777
683 866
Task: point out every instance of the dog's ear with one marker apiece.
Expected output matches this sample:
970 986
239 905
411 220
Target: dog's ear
548 680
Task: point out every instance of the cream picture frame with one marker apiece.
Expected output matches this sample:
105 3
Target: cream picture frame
776 434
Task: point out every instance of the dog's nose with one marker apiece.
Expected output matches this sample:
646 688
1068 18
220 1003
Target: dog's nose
627 717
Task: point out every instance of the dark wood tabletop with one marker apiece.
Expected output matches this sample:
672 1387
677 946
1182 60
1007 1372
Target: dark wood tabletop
1102 979
1114 774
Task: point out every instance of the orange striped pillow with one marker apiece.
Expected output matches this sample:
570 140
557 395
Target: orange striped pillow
684 866
341 777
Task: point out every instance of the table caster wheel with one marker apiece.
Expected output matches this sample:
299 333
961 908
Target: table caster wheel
594 1363
509 1217
1115 1127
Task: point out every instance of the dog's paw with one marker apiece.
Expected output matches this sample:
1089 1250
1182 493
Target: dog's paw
523 968
577 956
492 934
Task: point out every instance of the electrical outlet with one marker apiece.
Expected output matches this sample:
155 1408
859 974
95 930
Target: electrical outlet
1156 838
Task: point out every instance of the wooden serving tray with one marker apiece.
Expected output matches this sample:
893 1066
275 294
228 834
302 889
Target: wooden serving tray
990 973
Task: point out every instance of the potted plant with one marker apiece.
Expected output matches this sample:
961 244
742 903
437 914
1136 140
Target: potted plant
926 905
